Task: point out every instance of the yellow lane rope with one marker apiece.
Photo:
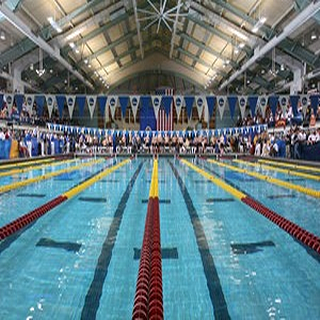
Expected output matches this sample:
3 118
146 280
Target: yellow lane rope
220 183
74 191
310 192
154 190
23 183
23 164
285 171
37 167
290 165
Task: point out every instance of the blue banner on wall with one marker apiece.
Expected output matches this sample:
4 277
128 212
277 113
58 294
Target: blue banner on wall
61 99
189 104
19 101
294 103
102 100
123 100
252 101
147 117
40 103
273 103
232 104
80 101
211 101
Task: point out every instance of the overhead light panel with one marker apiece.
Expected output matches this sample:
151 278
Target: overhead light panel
54 25
313 36
3 35
259 24
72 45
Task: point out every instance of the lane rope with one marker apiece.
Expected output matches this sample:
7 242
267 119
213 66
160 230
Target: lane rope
307 238
25 163
36 167
148 302
308 191
26 182
35 214
290 165
285 171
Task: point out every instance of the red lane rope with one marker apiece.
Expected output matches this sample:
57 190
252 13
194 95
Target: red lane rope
28 218
309 239
148 303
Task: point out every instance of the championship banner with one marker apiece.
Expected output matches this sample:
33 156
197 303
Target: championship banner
273 103
252 101
304 103
40 104
200 104
19 98
71 101
81 101
211 101
156 103
1 100
294 100
50 103
102 101
61 99
178 101
263 102
8 98
91 102
123 100
189 104
242 100
314 101
134 102
112 103
221 101
232 100
284 100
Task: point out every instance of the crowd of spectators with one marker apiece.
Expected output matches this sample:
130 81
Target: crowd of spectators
285 144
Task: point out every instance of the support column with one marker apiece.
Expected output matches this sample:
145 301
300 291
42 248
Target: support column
296 85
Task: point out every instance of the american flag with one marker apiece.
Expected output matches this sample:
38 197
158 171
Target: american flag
165 123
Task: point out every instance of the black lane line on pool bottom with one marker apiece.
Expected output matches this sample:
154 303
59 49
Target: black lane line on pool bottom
218 300
92 199
8 241
92 300
309 251
50 243
161 201
31 195
166 253
252 247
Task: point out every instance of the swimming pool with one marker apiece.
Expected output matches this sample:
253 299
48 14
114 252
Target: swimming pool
220 258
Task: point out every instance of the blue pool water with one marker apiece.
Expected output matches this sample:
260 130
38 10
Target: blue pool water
77 261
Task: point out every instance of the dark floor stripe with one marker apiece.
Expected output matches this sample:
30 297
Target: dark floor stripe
280 196
109 181
166 253
92 300
159 181
218 301
68 246
293 179
63 179
31 195
213 200
253 247
92 199
161 201
201 181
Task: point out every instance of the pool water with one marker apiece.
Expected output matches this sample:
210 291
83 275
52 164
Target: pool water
221 259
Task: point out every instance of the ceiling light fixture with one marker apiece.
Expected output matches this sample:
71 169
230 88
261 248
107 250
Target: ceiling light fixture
72 45
54 25
85 61
313 36
259 24
3 35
